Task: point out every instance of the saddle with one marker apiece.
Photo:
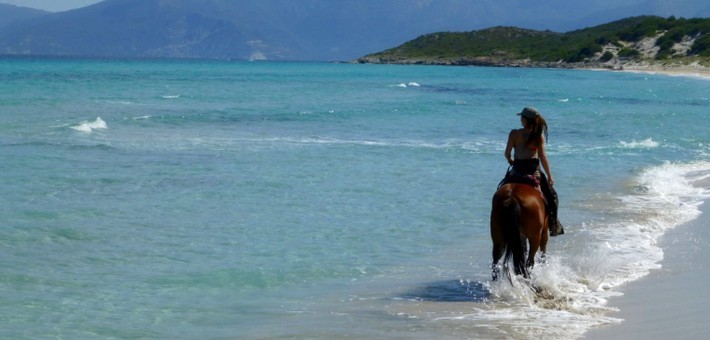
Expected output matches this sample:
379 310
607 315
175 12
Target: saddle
530 180
524 171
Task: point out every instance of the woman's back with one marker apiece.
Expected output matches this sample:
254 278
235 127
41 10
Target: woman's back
520 144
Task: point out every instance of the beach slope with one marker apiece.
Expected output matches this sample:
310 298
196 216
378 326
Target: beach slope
672 302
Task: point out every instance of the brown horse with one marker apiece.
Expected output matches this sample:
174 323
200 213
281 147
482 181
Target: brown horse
518 214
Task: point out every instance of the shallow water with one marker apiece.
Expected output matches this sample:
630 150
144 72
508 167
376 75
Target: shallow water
223 199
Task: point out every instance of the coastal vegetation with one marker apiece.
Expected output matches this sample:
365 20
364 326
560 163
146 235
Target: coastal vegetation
644 39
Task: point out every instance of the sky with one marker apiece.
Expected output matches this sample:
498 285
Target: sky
665 5
51 5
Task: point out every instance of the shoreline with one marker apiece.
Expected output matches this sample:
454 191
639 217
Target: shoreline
695 71
668 302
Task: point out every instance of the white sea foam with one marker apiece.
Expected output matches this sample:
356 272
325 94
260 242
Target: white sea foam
89 127
120 102
648 143
409 84
478 146
663 197
608 149
171 96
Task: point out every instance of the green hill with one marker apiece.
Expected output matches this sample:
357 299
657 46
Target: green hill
637 39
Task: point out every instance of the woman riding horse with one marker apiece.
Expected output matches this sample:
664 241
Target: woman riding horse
519 211
529 146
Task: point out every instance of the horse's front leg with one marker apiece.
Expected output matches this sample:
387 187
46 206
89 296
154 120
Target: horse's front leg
543 244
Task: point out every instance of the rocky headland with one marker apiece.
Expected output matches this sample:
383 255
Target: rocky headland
640 44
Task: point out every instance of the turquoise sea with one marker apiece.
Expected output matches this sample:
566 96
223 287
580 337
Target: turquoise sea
254 200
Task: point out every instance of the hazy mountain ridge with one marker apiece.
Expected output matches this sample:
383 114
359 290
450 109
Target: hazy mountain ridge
10 14
280 29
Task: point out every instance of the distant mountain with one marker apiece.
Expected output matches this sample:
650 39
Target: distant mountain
293 29
10 14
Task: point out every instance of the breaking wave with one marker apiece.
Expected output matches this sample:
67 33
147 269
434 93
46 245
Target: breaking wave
89 126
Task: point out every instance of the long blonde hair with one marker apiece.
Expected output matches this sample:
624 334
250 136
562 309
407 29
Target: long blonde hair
538 128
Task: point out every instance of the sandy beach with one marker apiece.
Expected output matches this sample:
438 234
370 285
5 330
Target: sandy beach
692 70
672 302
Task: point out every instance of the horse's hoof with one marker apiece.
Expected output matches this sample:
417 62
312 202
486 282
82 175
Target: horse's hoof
556 228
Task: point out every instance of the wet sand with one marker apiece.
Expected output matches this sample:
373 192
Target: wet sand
672 302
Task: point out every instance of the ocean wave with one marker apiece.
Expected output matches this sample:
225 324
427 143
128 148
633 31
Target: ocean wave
409 84
648 143
663 198
482 146
89 127
620 147
232 143
120 102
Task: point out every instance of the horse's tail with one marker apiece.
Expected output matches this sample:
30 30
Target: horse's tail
514 239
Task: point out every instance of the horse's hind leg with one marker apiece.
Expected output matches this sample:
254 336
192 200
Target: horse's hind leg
534 246
498 251
498 238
